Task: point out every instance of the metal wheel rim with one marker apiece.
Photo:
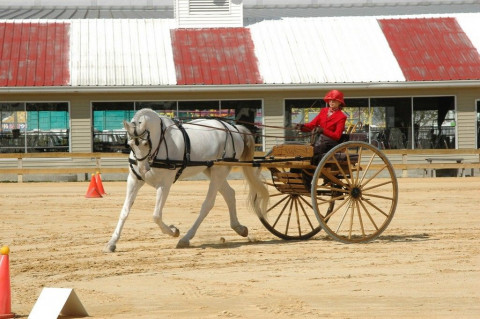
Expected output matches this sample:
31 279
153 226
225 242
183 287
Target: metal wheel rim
357 218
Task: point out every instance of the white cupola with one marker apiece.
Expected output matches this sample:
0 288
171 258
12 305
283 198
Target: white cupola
208 13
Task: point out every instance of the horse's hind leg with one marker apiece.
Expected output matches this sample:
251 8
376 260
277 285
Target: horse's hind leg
216 181
133 186
228 194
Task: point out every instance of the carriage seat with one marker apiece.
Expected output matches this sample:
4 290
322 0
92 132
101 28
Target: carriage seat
291 151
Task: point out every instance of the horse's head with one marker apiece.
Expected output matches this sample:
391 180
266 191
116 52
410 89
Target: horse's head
140 142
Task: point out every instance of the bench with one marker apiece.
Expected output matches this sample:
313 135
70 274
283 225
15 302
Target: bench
432 172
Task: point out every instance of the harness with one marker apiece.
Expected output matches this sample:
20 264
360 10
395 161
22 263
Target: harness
170 164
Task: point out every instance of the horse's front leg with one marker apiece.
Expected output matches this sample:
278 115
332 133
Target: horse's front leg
162 194
133 186
228 194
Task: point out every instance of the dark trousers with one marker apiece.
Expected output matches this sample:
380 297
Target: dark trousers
322 145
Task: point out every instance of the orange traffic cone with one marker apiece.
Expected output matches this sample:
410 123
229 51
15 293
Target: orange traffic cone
98 179
92 191
5 293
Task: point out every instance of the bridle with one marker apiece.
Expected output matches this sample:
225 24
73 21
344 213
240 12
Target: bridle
144 136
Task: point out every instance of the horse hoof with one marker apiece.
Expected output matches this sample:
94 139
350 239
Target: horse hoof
183 244
109 248
241 230
175 231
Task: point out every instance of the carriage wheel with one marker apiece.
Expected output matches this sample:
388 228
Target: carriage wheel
290 216
359 178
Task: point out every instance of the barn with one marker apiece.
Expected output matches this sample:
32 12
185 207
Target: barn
69 75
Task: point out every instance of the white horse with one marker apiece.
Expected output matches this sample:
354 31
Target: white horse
158 148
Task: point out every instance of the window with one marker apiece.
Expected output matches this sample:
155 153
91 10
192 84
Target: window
300 111
109 134
434 122
389 123
357 111
168 108
247 113
188 110
34 127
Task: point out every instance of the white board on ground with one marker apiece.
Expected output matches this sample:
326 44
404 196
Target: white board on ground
53 302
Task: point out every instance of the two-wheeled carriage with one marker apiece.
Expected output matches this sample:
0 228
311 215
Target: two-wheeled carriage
351 194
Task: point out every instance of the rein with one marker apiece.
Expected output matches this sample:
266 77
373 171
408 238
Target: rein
253 134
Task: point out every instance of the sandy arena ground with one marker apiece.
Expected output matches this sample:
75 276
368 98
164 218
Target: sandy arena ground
425 265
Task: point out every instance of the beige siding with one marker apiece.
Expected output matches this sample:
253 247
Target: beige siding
274 116
466 118
81 125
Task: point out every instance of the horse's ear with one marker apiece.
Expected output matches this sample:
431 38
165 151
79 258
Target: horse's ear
128 127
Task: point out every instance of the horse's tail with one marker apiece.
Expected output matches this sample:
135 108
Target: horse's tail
258 193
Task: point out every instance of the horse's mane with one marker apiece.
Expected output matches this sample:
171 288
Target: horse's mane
143 112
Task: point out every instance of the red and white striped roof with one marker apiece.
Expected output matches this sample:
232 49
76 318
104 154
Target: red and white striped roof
152 52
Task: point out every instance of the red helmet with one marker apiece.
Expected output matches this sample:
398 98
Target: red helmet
334 95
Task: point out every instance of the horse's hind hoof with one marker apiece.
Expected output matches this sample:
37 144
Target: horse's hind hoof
109 248
241 230
183 244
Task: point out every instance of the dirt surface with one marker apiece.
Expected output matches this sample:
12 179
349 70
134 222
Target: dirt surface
425 265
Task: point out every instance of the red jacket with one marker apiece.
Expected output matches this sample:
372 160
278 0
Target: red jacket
333 126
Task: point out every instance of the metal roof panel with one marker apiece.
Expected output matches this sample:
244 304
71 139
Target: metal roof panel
34 53
435 49
470 24
116 52
214 56
323 50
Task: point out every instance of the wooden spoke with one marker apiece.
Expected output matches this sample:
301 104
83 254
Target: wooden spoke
305 214
289 216
377 208
360 218
306 202
377 196
278 194
368 214
342 219
376 186
278 203
283 214
282 211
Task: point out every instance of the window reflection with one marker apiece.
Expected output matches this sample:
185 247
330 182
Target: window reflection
388 123
34 127
110 136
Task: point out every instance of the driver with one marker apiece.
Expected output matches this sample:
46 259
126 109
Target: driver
329 123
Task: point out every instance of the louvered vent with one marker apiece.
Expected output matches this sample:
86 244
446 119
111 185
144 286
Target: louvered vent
208 13
208 6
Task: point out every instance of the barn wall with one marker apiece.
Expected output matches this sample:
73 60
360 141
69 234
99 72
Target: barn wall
273 107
